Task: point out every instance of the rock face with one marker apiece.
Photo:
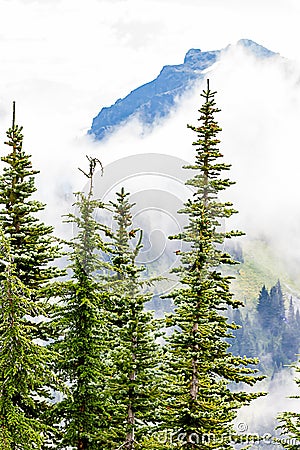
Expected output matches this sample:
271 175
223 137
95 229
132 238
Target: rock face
154 100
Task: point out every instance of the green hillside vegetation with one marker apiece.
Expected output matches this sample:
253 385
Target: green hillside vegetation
270 322
261 266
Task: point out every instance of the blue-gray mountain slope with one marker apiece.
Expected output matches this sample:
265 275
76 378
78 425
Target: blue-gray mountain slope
154 100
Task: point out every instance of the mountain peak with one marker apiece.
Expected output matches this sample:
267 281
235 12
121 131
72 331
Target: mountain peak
191 55
154 100
257 49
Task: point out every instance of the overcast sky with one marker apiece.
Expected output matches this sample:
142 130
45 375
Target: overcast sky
71 44
63 60
99 50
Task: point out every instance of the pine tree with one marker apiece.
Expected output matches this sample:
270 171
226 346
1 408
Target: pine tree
264 307
135 379
277 308
31 241
249 341
200 402
32 249
26 379
238 335
270 308
81 326
278 333
289 423
290 336
291 313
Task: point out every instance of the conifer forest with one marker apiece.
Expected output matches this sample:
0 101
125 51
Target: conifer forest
85 364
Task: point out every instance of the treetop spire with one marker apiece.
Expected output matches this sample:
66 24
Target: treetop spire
14 114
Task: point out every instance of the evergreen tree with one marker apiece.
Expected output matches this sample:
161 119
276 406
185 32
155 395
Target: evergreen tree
277 308
31 241
238 334
26 378
248 344
291 313
290 336
134 384
271 309
200 403
289 423
243 342
264 307
32 249
235 250
81 325
278 331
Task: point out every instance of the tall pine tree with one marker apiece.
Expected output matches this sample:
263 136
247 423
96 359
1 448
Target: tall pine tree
81 327
135 380
32 249
27 381
201 403
32 243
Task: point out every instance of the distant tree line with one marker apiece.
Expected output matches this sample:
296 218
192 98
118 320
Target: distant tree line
272 333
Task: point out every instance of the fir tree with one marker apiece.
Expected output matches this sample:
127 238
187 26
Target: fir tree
201 405
32 249
271 309
135 379
291 314
264 307
289 423
31 241
249 342
277 313
290 336
81 325
278 331
26 379
237 341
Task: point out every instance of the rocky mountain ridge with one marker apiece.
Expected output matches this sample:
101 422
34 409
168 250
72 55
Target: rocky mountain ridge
154 100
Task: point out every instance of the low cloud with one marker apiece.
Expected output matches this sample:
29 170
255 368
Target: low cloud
260 103
260 417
